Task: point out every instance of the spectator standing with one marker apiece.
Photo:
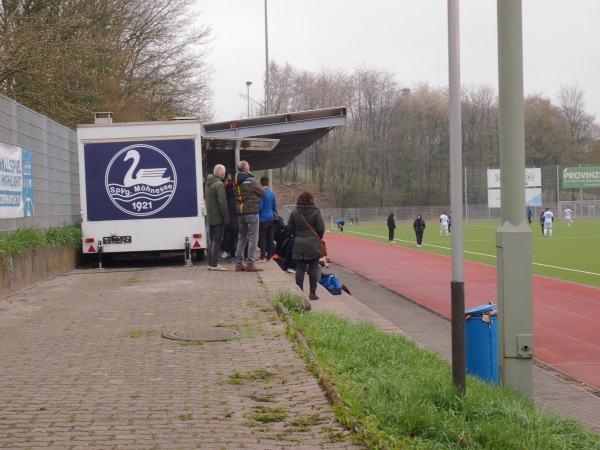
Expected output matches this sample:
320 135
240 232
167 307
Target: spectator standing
284 246
267 215
443 224
419 227
306 224
548 221
529 214
391 224
247 195
231 230
217 215
568 216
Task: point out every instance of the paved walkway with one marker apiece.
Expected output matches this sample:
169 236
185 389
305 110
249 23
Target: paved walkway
84 364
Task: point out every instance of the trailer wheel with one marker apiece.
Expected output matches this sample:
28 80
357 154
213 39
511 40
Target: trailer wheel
200 254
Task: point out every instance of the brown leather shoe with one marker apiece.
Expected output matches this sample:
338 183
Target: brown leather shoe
253 269
240 268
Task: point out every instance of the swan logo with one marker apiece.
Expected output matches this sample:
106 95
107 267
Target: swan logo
141 180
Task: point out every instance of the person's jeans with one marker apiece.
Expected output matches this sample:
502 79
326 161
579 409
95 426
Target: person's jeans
230 239
248 233
214 244
265 239
314 273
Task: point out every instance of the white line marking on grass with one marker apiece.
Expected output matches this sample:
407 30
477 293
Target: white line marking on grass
484 254
565 268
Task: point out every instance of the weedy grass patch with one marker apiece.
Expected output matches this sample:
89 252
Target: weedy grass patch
265 414
291 302
405 397
23 240
137 333
257 375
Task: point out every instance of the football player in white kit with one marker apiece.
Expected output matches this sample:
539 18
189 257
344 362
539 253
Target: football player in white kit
568 216
548 221
443 224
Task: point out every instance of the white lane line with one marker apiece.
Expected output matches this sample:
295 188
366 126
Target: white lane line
482 254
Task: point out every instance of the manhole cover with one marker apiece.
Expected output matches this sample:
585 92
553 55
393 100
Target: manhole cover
212 334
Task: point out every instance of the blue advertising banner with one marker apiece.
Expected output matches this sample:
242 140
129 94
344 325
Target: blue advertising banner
28 201
16 182
147 179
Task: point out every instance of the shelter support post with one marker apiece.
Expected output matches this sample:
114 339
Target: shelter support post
237 154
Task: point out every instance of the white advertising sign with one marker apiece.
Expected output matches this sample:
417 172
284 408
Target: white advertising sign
533 187
16 182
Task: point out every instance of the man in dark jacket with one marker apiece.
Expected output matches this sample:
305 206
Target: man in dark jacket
419 227
391 224
217 215
247 196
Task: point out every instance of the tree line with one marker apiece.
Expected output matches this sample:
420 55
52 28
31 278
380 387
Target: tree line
141 59
395 149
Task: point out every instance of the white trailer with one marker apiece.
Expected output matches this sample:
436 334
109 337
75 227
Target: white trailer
142 183
141 187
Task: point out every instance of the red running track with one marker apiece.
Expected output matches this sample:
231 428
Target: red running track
566 315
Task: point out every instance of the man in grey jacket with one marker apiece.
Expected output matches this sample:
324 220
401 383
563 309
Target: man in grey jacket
247 196
217 215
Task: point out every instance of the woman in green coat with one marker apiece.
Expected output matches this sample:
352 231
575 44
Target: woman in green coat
307 245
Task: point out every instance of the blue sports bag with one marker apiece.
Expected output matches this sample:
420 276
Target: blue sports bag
332 284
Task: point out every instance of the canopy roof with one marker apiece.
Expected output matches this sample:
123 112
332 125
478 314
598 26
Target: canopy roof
291 133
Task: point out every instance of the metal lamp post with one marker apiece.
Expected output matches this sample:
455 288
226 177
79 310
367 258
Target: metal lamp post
248 83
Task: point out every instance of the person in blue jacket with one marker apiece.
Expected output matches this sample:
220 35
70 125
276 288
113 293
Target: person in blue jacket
267 214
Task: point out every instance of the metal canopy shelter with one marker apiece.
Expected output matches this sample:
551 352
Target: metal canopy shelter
294 131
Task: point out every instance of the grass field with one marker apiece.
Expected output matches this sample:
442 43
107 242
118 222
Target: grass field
572 253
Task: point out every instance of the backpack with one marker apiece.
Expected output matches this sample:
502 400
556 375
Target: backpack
332 284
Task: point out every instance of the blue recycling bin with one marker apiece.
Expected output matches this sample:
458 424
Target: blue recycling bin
481 345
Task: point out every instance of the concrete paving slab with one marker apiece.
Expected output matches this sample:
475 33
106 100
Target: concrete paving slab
84 364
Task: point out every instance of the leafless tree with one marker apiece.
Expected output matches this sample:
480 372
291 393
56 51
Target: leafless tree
480 127
547 136
138 58
345 166
375 97
572 105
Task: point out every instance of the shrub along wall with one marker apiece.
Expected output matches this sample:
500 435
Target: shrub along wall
20 271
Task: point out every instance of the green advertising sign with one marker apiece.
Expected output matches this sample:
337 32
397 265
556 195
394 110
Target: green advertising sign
581 177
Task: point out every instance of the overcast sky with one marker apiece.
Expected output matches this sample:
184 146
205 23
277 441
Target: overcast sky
561 43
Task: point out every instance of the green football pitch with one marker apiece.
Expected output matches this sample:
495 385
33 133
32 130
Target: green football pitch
572 253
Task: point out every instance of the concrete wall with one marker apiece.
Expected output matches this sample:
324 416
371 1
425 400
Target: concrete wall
21 271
